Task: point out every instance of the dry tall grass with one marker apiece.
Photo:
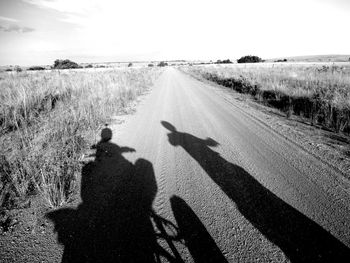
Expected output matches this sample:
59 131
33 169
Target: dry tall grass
47 121
321 93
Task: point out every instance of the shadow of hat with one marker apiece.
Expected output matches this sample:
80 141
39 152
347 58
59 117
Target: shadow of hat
106 134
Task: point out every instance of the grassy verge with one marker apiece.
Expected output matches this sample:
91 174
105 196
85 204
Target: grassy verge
47 121
319 93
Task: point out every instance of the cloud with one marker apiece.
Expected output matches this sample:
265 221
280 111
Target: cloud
73 12
67 6
8 19
16 28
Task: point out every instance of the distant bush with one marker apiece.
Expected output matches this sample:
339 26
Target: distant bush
130 64
249 59
8 69
162 64
36 68
18 69
225 61
65 64
89 66
150 65
281 60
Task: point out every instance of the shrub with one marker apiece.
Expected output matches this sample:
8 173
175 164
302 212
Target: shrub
249 59
162 64
65 64
8 69
150 65
225 61
89 66
36 68
18 69
130 65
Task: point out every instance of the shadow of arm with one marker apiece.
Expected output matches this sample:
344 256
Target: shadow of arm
127 149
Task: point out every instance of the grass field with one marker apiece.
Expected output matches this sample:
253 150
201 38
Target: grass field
47 121
319 92
316 58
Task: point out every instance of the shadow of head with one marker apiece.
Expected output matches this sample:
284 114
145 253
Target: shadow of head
179 138
106 134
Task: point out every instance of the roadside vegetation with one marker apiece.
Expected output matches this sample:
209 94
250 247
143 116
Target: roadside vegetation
47 122
318 93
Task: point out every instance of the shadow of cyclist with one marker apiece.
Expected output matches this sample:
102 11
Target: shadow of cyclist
114 221
301 239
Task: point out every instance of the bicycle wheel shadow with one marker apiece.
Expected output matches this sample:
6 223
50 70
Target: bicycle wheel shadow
114 221
200 244
300 238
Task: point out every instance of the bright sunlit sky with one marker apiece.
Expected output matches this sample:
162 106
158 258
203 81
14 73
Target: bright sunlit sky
35 32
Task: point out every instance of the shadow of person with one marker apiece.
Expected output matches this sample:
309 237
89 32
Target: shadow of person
301 239
114 221
200 244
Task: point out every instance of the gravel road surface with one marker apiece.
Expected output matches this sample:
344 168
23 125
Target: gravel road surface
233 189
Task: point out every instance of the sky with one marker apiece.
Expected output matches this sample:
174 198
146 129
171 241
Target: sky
36 32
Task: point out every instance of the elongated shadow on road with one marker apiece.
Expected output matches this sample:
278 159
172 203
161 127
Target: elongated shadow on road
301 239
200 244
114 221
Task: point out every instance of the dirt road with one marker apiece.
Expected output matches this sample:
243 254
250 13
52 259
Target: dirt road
233 188
192 177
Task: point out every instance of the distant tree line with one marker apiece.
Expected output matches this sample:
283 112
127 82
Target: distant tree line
68 64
